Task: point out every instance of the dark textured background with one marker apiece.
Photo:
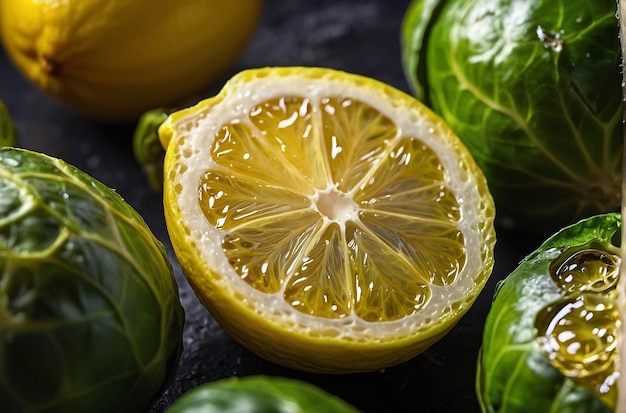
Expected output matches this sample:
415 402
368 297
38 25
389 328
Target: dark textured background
360 36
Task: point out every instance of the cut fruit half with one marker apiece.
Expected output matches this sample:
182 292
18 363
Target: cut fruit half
329 222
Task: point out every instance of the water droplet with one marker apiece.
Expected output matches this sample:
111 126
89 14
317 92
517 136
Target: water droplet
579 335
588 269
550 40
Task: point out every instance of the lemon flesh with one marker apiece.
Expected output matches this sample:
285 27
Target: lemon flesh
328 221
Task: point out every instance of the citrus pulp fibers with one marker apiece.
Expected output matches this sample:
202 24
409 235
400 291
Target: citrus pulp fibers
258 394
90 319
114 59
533 88
553 329
328 221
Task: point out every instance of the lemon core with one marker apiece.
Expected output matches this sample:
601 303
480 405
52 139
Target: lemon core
336 205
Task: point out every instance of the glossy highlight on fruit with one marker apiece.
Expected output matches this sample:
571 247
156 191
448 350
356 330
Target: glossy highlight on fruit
328 221
90 319
553 328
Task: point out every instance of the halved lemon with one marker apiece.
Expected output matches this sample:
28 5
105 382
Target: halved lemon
328 221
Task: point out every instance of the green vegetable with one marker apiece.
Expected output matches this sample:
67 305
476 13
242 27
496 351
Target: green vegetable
258 394
550 338
8 133
147 148
90 319
533 88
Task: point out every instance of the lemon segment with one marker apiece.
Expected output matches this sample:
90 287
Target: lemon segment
328 221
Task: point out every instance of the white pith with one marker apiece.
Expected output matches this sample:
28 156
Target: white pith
195 135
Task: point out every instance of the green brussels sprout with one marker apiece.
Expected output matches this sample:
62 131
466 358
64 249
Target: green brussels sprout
258 394
550 337
147 148
533 88
90 317
8 133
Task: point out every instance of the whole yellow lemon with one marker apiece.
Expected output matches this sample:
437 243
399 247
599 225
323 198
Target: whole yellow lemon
114 59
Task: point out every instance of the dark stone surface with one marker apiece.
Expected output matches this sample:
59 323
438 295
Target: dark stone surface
360 36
